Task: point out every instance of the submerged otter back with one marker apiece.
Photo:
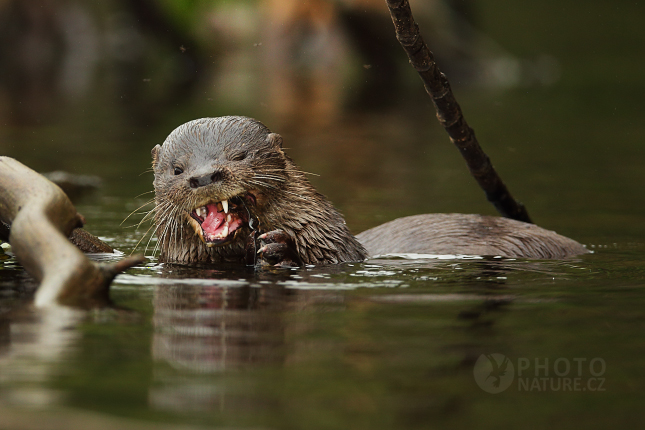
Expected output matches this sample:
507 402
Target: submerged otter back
467 235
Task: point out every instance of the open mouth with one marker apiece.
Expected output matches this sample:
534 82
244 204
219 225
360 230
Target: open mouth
219 222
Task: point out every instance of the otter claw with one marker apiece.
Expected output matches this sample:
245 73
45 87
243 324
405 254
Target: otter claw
278 249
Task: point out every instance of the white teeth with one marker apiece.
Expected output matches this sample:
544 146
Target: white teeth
228 218
202 212
225 206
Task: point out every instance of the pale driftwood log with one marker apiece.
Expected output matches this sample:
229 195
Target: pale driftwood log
41 218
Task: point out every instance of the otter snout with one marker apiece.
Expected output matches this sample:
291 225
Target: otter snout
210 178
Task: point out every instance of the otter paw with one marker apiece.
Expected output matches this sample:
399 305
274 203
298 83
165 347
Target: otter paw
278 249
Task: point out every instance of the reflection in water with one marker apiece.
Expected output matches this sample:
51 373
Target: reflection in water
218 326
206 330
34 345
211 328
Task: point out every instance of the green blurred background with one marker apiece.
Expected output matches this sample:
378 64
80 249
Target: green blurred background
553 89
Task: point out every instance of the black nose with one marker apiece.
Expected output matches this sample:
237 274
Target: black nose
200 181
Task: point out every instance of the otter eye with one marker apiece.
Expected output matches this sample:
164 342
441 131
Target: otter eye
239 156
178 170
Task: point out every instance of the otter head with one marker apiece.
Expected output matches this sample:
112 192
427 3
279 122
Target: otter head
211 176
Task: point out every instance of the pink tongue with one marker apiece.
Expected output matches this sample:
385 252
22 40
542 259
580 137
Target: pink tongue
214 220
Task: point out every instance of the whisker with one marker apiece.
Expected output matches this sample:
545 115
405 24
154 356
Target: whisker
147 217
251 181
291 170
271 177
134 211
162 212
145 192
171 226
148 244
140 240
262 184
297 195
160 238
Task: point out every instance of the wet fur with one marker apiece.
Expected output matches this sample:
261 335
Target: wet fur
250 158
467 235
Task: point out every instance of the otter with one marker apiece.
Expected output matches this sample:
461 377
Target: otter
225 191
222 183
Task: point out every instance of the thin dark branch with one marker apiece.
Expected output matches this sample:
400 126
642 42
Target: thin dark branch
449 113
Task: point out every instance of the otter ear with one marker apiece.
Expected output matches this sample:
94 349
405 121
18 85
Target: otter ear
275 139
155 155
